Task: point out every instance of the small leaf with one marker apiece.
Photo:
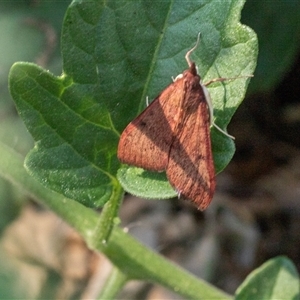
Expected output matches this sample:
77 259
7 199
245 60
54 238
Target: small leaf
149 185
275 279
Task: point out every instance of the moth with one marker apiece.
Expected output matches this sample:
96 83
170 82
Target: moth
173 134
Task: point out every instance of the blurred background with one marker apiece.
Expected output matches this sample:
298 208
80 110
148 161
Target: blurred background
255 214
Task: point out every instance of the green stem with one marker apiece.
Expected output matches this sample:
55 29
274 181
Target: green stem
113 285
131 257
107 218
139 262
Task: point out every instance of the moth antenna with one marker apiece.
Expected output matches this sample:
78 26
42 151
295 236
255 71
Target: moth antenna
225 79
187 56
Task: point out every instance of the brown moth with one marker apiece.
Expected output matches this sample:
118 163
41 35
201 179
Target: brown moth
173 134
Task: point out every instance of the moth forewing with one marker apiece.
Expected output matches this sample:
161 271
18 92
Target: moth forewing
173 134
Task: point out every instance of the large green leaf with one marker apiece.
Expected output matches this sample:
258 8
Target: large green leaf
115 54
278 29
227 49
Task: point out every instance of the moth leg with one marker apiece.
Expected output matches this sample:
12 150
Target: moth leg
177 77
211 111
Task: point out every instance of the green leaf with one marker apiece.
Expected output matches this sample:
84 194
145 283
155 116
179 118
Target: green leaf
227 49
275 279
149 185
63 157
278 29
115 54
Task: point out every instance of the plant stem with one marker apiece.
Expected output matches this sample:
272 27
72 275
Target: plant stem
107 218
131 257
113 285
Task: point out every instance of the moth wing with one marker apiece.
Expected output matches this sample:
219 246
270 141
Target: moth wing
146 141
191 169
